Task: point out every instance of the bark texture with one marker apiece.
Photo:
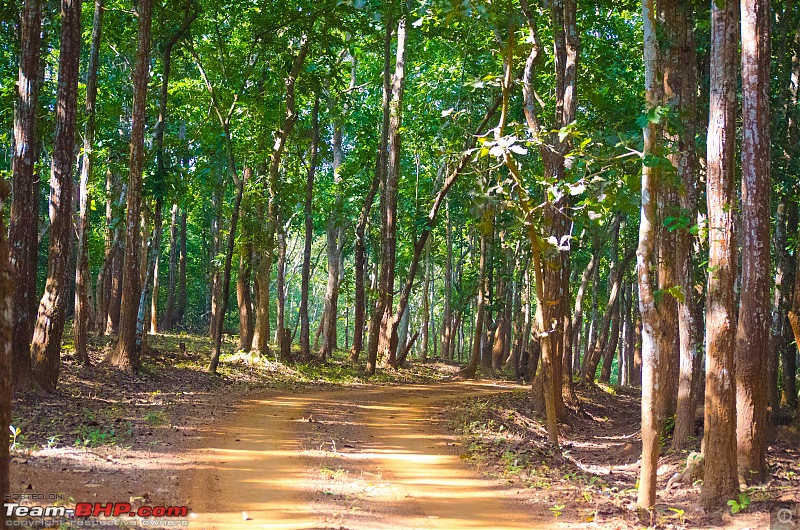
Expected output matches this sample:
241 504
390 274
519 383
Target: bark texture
49 328
752 333
24 220
720 477
126 355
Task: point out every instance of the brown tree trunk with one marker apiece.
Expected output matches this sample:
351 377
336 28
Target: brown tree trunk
24 219
49 327
577 315
160 163
155 254
181 310
379 310
215 283
126 356
426 309
82 275
244 298
471 370
103 285
720 482
334 242
226 271
646 272
6 352
263 275
360 259
672 24
447 311
282 339
613 341
680 83
780 305
752 333
305 330
168 320
387 344
151 270
789 353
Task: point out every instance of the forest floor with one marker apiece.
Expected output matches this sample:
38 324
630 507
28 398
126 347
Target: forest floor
317 446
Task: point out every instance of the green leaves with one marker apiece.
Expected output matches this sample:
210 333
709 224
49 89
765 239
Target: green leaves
675 291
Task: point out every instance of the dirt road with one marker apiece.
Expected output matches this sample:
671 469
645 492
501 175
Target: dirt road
365 457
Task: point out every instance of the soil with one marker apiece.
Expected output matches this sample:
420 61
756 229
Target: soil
268 446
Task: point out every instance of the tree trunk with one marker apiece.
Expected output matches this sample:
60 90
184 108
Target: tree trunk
49 327
226 272
752 334
780 306
168 320
24 219
6 347
577 315
82 274
282 340
181 310
243 296
151 269
388 334
447 311
161 170
471 369
263 276
125 356
645 254
720 481
426 306
680 83
305 344
215 282
613 341
360 259
155 254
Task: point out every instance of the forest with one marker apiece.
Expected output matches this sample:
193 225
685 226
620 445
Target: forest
541 226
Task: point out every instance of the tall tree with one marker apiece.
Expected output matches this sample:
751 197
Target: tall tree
49 328
752 333
282 136
305 344
24 220
680 86
381 336
645 265
161 164
82 276
6 340
126 354
720 477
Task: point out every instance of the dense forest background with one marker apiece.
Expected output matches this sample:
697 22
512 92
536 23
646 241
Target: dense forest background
511 185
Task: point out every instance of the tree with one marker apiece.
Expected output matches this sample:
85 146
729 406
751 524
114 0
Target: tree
49 328
720 481
6 351
382 338
126 354
23 229
82 275
752 332
651 332
305 345
264 268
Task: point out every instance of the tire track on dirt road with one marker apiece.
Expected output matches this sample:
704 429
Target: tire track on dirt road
355 458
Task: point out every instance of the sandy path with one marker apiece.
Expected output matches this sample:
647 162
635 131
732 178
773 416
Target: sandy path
365 457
